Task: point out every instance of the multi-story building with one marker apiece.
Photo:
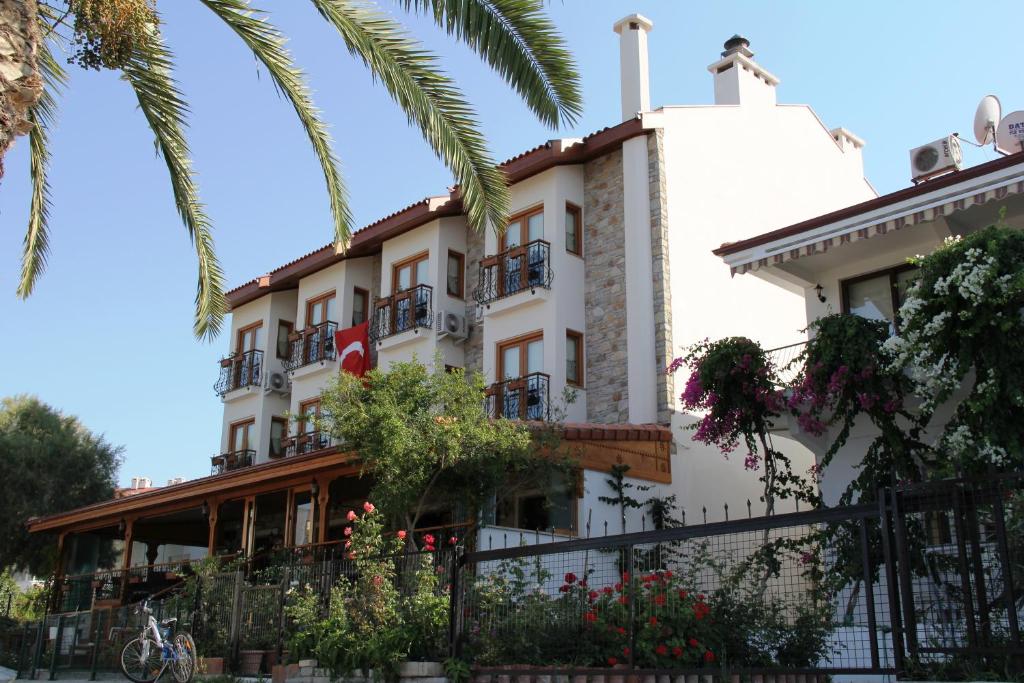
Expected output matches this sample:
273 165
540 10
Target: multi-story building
854 260
602 274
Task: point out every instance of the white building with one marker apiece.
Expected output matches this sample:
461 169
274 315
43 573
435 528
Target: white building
602 276
858 257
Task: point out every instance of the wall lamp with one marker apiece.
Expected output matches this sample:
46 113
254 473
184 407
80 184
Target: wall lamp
818 289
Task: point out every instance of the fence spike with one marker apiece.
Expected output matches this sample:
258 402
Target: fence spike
490 542
589 513
726 506
705 509
504 541
683 511
643 523
748 508
606 527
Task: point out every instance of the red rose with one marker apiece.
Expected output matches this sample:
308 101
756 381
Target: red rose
428 539
618 587
607 590
623 600
592 595
429 548
570 578
401 535
661 650
668 573
625 577
453 541
621 631
648 578
626 651
709 656
682 595
693 642
677 652
659 599
612 661
563 589
653 621
591 616
700 596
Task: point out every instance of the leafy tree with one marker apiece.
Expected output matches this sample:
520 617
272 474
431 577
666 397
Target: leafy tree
49 463
426 436
513 36
622 499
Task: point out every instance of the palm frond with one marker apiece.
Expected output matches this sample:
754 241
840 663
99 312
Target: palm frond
149 73
267 44
430 100
517 40
43 116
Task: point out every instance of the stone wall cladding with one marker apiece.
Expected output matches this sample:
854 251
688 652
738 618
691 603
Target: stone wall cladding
604 285
474 345
664 349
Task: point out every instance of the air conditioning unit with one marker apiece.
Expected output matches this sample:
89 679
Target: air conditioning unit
452 325
278 382
936 158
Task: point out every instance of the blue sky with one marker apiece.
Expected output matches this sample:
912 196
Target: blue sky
107 336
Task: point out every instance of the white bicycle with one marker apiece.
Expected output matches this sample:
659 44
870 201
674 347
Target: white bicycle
157 649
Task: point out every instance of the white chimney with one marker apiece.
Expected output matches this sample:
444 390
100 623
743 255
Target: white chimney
633 68
739 80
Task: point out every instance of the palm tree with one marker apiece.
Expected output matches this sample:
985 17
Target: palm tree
514 37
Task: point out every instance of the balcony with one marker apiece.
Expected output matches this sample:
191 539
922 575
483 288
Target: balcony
232 460
522 398
239 370
521 268
406 310
311 345
310 442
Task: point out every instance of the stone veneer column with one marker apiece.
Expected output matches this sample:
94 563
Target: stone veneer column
473 348
664 347
604 286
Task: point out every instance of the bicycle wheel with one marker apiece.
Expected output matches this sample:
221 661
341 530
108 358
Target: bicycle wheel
184 669
141 660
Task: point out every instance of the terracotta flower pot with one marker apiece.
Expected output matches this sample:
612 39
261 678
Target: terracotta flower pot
250 662
213 666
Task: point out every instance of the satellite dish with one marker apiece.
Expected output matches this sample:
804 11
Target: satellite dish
986 118
1010 133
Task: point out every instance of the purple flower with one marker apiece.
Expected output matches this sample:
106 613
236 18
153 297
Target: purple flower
752 461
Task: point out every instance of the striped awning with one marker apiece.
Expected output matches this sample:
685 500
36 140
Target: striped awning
857 231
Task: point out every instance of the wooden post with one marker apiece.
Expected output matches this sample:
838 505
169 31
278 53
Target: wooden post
323 500
211 543
126 559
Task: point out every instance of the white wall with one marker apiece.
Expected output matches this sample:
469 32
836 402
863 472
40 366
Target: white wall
554 311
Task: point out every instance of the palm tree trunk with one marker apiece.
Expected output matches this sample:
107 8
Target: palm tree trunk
20 82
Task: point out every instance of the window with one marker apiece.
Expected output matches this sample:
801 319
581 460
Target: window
309 413
278 432
520 357
284 328
573 358
573 229
321 309
303 519
522 228
456 274
250 338
243 436
538 511
878 296
409 273
360 305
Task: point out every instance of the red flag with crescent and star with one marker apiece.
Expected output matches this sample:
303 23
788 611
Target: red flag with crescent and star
353 344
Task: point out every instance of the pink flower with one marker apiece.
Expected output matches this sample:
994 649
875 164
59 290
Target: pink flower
429 539
368 506
351 516
401 535
592 595
348 531
378 580
453 541
752 461
570 578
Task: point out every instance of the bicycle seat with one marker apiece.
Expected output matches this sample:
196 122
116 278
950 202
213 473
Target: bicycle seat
168 622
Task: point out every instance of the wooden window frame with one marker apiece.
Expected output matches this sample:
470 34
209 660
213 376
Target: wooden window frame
522 219
289 523
277 419
411 262
290 326
243 331
231 434
892 272
301 423
580 375
461 294
522 342
577 212
364 294
319 298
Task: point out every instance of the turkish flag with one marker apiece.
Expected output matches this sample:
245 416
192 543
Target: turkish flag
353 346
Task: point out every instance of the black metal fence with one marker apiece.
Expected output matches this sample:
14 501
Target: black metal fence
521 398
239 370
523 267
927 579
311 345
407 310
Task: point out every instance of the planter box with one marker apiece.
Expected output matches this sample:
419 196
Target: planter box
213 666
421 670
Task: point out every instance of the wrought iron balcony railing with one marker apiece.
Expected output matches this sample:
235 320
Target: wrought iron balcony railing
232 460
311 345
402 311
527 266
522 398
239 370
310 442
784 359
